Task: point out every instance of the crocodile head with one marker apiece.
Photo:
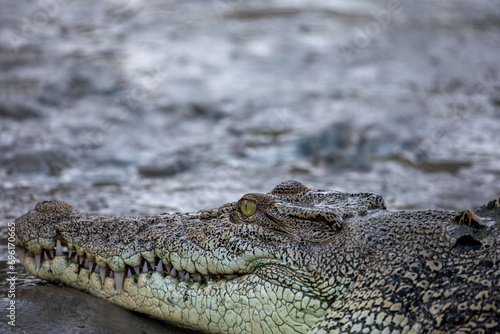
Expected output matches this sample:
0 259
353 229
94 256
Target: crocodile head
268 263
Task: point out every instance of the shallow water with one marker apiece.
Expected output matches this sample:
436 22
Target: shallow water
176 106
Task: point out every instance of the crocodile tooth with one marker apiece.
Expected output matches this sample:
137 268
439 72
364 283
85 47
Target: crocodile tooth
21 252
145 269
70 252
168 268
81 260
119 280
152 264
137 270
228 277
159 267
102 272
173 272
184 275
86 265
196 277
51 253
111 274
59 251
37 261
206 277
91 265
45 255
129 273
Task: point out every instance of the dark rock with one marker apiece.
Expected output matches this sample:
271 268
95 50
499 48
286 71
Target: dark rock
208 110
336 137
165 168
337 146
78 78
20 110
49 162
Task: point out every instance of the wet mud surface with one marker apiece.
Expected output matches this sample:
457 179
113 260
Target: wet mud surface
165 106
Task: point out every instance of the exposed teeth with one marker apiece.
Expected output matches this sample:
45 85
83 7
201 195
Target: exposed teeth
102 272
119 280
159 267
184 275
59 251
37 261
119 276
21 252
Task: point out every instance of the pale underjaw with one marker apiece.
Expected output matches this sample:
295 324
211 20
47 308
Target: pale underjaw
231 303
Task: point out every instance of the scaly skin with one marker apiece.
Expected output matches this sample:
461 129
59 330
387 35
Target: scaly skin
294 260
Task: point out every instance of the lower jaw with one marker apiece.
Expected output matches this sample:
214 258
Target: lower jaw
214 307
153 293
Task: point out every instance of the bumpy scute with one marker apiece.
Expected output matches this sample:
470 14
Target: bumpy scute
468 219
289 188
494 204
55 207
490 209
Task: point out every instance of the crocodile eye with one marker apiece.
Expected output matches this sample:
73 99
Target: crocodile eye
248 207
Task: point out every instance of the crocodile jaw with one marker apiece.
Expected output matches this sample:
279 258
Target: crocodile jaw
243 304
238 274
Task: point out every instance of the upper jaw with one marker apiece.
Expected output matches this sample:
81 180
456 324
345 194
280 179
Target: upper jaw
202 246
161 244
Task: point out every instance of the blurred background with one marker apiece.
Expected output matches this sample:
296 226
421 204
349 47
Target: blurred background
152 106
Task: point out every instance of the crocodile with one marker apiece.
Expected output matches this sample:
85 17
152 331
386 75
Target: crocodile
294 260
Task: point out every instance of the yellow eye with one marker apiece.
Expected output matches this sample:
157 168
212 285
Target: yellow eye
248 207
